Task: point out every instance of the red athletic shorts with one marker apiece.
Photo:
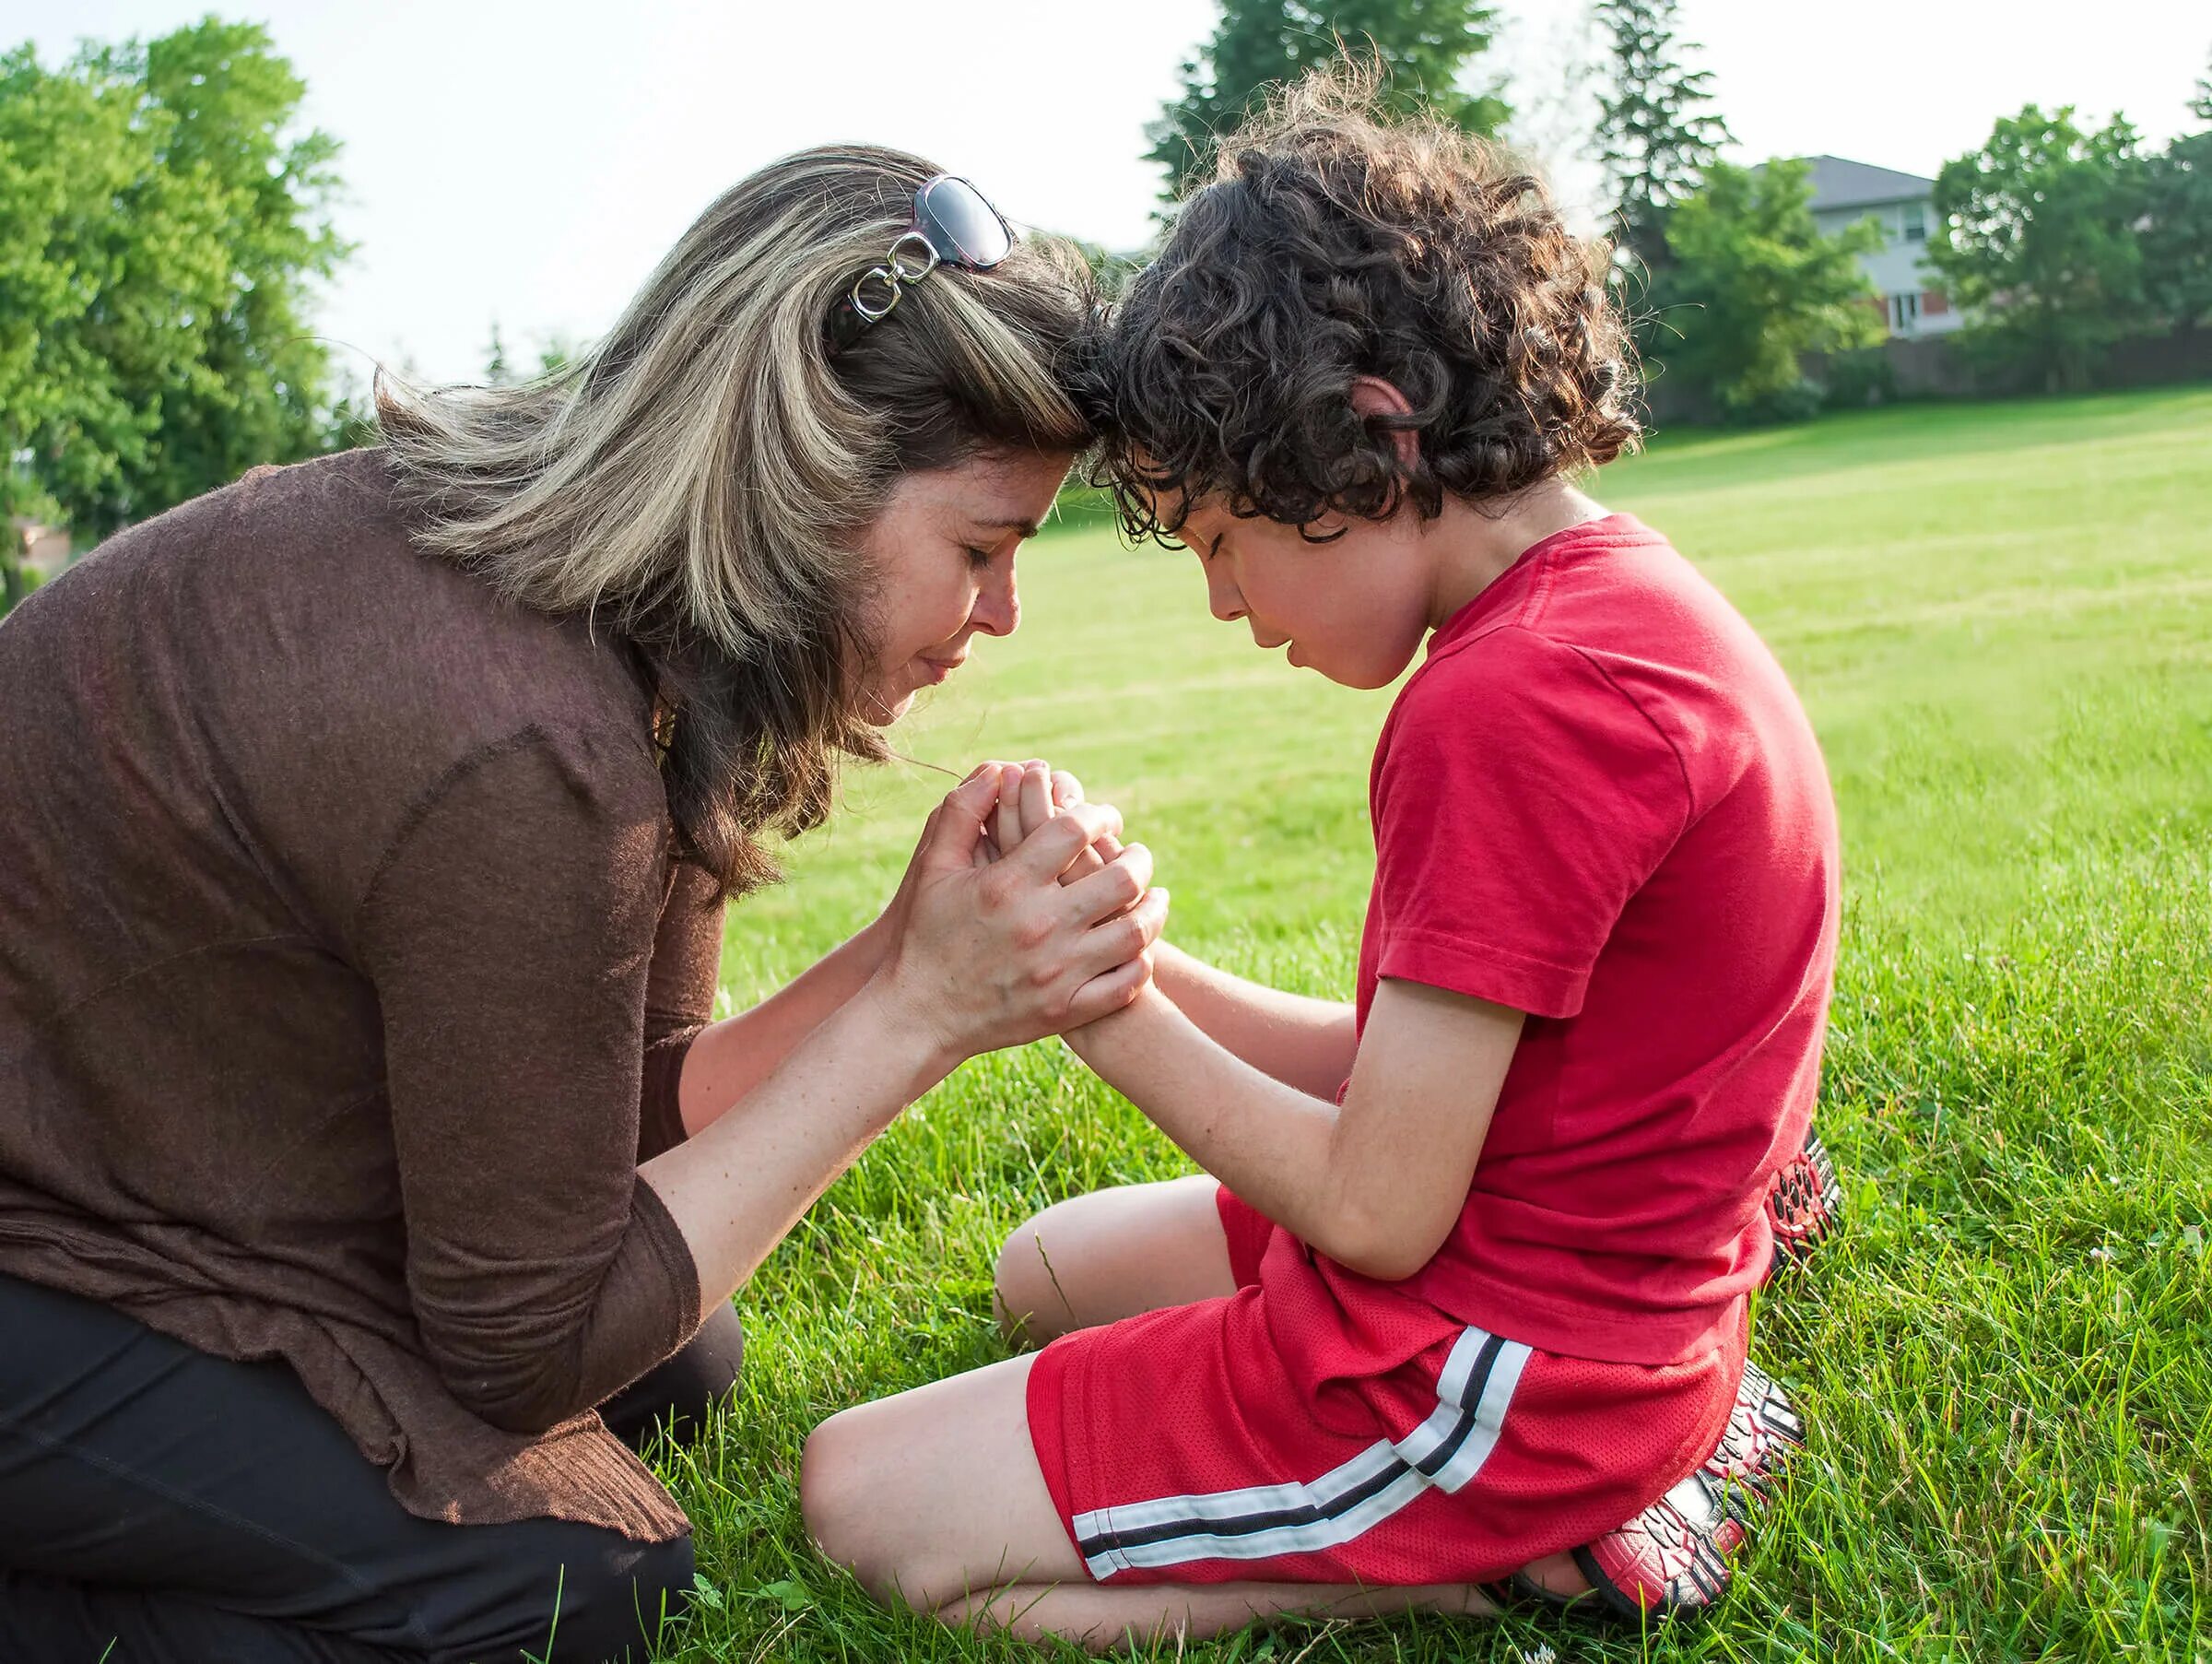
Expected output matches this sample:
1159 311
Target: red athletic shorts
1308 1430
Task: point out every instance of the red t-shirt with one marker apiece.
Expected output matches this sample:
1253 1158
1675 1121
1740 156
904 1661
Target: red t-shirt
1599 802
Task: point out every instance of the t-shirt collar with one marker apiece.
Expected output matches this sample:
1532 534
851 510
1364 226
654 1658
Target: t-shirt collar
1508 585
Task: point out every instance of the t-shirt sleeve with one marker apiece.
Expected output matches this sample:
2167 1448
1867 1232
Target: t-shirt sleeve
679 1000
508 932
1520 801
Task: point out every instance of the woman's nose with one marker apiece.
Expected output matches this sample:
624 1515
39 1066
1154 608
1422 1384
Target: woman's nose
998 603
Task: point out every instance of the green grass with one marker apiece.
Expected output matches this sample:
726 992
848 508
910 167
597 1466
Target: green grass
2001 619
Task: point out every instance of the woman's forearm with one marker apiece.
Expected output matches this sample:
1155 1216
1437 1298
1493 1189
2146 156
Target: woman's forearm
737 1187
975 957
1305 1043
732 1057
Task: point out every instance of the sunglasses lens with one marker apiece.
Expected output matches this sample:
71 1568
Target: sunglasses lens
961 226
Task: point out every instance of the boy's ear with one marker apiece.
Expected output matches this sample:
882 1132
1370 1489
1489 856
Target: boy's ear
1372 396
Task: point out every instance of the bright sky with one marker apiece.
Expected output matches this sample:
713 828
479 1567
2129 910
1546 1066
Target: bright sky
528 161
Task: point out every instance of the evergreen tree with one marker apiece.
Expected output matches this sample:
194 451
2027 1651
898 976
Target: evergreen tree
1421 46
1656 140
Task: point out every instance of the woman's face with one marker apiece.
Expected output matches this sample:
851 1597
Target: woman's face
943 555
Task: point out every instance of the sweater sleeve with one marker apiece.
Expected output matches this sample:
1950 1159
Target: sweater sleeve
509 932
680 999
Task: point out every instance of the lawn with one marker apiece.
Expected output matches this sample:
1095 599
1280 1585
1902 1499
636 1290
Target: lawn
2000 617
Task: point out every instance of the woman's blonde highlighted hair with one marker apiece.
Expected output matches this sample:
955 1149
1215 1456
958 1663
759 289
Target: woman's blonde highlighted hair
698 481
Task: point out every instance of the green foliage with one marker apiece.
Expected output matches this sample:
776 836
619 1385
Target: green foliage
1110 269
1654 138
498 372
556 353
1422 46
160 229
1751 285
1860 377
2177 224
2040 247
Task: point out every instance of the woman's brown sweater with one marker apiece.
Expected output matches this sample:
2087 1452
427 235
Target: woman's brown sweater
344 979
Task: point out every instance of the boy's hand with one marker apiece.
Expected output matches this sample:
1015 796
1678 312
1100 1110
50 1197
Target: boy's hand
1031 794
988 959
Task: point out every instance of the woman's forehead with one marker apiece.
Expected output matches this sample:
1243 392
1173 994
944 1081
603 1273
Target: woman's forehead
1003 488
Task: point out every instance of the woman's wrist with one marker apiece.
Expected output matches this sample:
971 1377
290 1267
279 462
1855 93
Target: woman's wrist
912 1043
871 944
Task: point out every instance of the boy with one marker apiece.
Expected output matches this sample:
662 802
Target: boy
1465 1289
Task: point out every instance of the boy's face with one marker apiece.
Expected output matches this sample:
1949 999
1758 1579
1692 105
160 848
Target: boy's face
1355 608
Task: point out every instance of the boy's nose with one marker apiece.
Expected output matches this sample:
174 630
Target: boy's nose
1224 598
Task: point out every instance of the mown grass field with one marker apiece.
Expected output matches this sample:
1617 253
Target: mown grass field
2001 619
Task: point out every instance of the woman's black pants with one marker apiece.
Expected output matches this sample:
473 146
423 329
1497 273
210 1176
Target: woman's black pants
158 1504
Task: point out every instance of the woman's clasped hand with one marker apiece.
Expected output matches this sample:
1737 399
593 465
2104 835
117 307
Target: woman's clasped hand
1021 914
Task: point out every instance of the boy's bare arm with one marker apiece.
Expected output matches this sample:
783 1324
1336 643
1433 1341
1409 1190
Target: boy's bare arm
1376 1184
1303 1043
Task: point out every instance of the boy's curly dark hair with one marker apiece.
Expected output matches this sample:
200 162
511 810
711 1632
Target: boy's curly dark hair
1336 243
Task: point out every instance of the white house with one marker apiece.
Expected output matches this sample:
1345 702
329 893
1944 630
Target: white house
1903 206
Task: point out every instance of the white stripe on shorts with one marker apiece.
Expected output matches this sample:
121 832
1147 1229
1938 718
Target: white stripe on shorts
1259 1522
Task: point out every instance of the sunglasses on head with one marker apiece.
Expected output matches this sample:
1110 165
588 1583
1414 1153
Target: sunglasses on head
952 225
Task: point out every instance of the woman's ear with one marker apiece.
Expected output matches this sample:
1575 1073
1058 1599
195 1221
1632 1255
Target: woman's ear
1372 396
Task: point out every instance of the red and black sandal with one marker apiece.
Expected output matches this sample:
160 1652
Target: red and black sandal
1804 1205
1763 1435
1672 1557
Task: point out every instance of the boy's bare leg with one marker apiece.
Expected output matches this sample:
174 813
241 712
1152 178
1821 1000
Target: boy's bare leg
934 1498
1111 1254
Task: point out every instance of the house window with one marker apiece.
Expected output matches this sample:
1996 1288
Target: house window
1904 314
1916 222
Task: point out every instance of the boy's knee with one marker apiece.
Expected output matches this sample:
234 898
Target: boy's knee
833 1496
843 1509
1022 1288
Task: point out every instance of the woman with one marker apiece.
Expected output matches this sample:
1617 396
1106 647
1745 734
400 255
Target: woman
359 1126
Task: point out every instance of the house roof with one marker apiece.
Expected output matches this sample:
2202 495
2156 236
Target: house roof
1838 183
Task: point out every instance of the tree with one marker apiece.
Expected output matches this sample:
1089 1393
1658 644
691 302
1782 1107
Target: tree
1421 46
2177 223
1751 285
1655 140
160 234
2040 246
498 372
1111 271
